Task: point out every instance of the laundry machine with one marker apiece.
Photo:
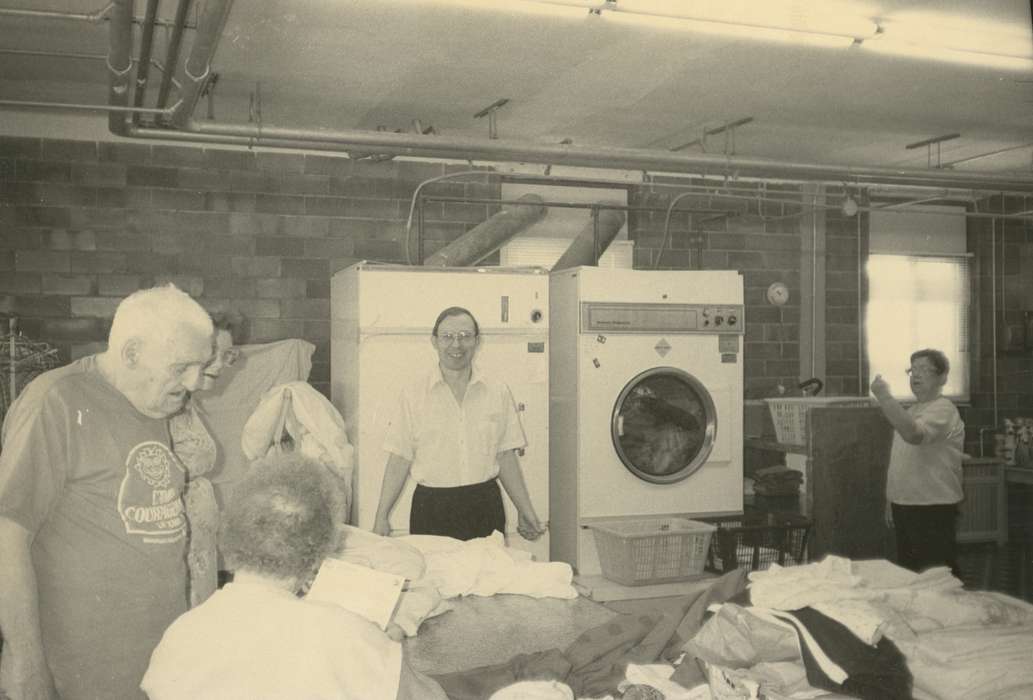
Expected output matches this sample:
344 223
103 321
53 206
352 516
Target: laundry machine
381 321
645 400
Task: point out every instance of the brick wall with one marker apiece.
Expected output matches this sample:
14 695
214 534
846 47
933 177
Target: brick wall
84 223
763 240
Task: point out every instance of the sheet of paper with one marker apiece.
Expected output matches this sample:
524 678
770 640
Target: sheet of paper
364 591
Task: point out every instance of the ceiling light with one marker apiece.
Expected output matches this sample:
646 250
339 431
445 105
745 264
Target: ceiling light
769 21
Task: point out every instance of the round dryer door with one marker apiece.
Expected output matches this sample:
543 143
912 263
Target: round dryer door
663 425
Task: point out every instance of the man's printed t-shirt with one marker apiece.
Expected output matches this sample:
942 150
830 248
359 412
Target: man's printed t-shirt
98 484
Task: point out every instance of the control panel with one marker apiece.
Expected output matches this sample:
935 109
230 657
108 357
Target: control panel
610 317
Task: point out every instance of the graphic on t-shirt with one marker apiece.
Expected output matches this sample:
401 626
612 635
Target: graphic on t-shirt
149 499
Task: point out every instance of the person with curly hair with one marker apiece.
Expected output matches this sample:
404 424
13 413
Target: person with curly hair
255 637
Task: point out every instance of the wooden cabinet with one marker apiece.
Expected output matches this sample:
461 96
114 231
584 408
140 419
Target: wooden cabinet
844 463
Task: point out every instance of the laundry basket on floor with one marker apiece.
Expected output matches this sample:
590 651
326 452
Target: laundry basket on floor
755 541
649 551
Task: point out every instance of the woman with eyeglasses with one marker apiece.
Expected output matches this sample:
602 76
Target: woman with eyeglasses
456 432
192 442
923 487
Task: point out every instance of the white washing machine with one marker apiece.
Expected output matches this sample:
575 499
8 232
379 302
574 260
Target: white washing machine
645 400
381 321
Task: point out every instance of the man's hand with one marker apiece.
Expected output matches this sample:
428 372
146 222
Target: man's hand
529 527
880 389
889 515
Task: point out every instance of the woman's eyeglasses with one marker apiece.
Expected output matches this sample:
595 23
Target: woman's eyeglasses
921 371
230 356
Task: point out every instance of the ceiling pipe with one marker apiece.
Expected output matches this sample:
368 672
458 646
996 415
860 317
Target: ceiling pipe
197 68
172 54
144 67
120 63
95 17
92 17
620 158
72 106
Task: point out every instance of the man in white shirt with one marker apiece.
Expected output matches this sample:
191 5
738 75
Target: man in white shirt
457 433
923 487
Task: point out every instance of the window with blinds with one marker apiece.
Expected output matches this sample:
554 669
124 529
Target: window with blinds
915 302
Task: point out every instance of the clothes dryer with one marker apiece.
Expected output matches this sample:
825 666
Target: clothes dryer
645 400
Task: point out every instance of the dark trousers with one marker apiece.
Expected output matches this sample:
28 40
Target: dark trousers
926 536
462 512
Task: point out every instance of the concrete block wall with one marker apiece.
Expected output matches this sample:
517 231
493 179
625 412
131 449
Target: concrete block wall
83 223
762 239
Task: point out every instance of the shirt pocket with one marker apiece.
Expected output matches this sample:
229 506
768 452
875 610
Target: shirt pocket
489 433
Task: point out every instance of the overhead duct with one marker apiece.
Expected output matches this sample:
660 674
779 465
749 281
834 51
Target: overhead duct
593 240
485 238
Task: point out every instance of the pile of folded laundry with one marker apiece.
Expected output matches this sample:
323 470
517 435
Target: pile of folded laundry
778 480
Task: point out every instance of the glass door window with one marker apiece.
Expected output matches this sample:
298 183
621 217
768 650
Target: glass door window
663 425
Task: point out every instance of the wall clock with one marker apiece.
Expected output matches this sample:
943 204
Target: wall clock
778 293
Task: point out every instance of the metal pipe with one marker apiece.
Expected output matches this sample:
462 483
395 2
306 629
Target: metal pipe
119 62
143 68
197 67
95 17
619 158
172 54
118 109
92 17
691 164
999 151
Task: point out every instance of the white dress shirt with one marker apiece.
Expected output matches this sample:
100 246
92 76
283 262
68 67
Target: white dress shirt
452 443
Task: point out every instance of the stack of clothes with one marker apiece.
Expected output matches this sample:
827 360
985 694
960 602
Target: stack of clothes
778 480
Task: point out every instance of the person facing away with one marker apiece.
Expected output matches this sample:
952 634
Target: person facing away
92 529
457 433
923 486
193 443
255 638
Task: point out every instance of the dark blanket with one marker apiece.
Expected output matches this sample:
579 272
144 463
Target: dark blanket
873 673
594 663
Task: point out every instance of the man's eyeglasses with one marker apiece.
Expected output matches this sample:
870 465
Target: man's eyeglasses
461 336
921 371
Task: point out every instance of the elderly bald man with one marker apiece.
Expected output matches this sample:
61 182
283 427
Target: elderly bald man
92 528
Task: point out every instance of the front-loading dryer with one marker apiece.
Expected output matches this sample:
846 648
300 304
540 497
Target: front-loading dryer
645 400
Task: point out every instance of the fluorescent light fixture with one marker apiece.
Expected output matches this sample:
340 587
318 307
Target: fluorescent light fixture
767 21
894 47
723 29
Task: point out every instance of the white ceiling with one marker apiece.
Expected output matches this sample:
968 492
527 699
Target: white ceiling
365 64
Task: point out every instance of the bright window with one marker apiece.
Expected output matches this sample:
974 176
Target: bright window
915 302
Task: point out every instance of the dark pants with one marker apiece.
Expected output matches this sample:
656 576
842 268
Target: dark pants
462 512
926 536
